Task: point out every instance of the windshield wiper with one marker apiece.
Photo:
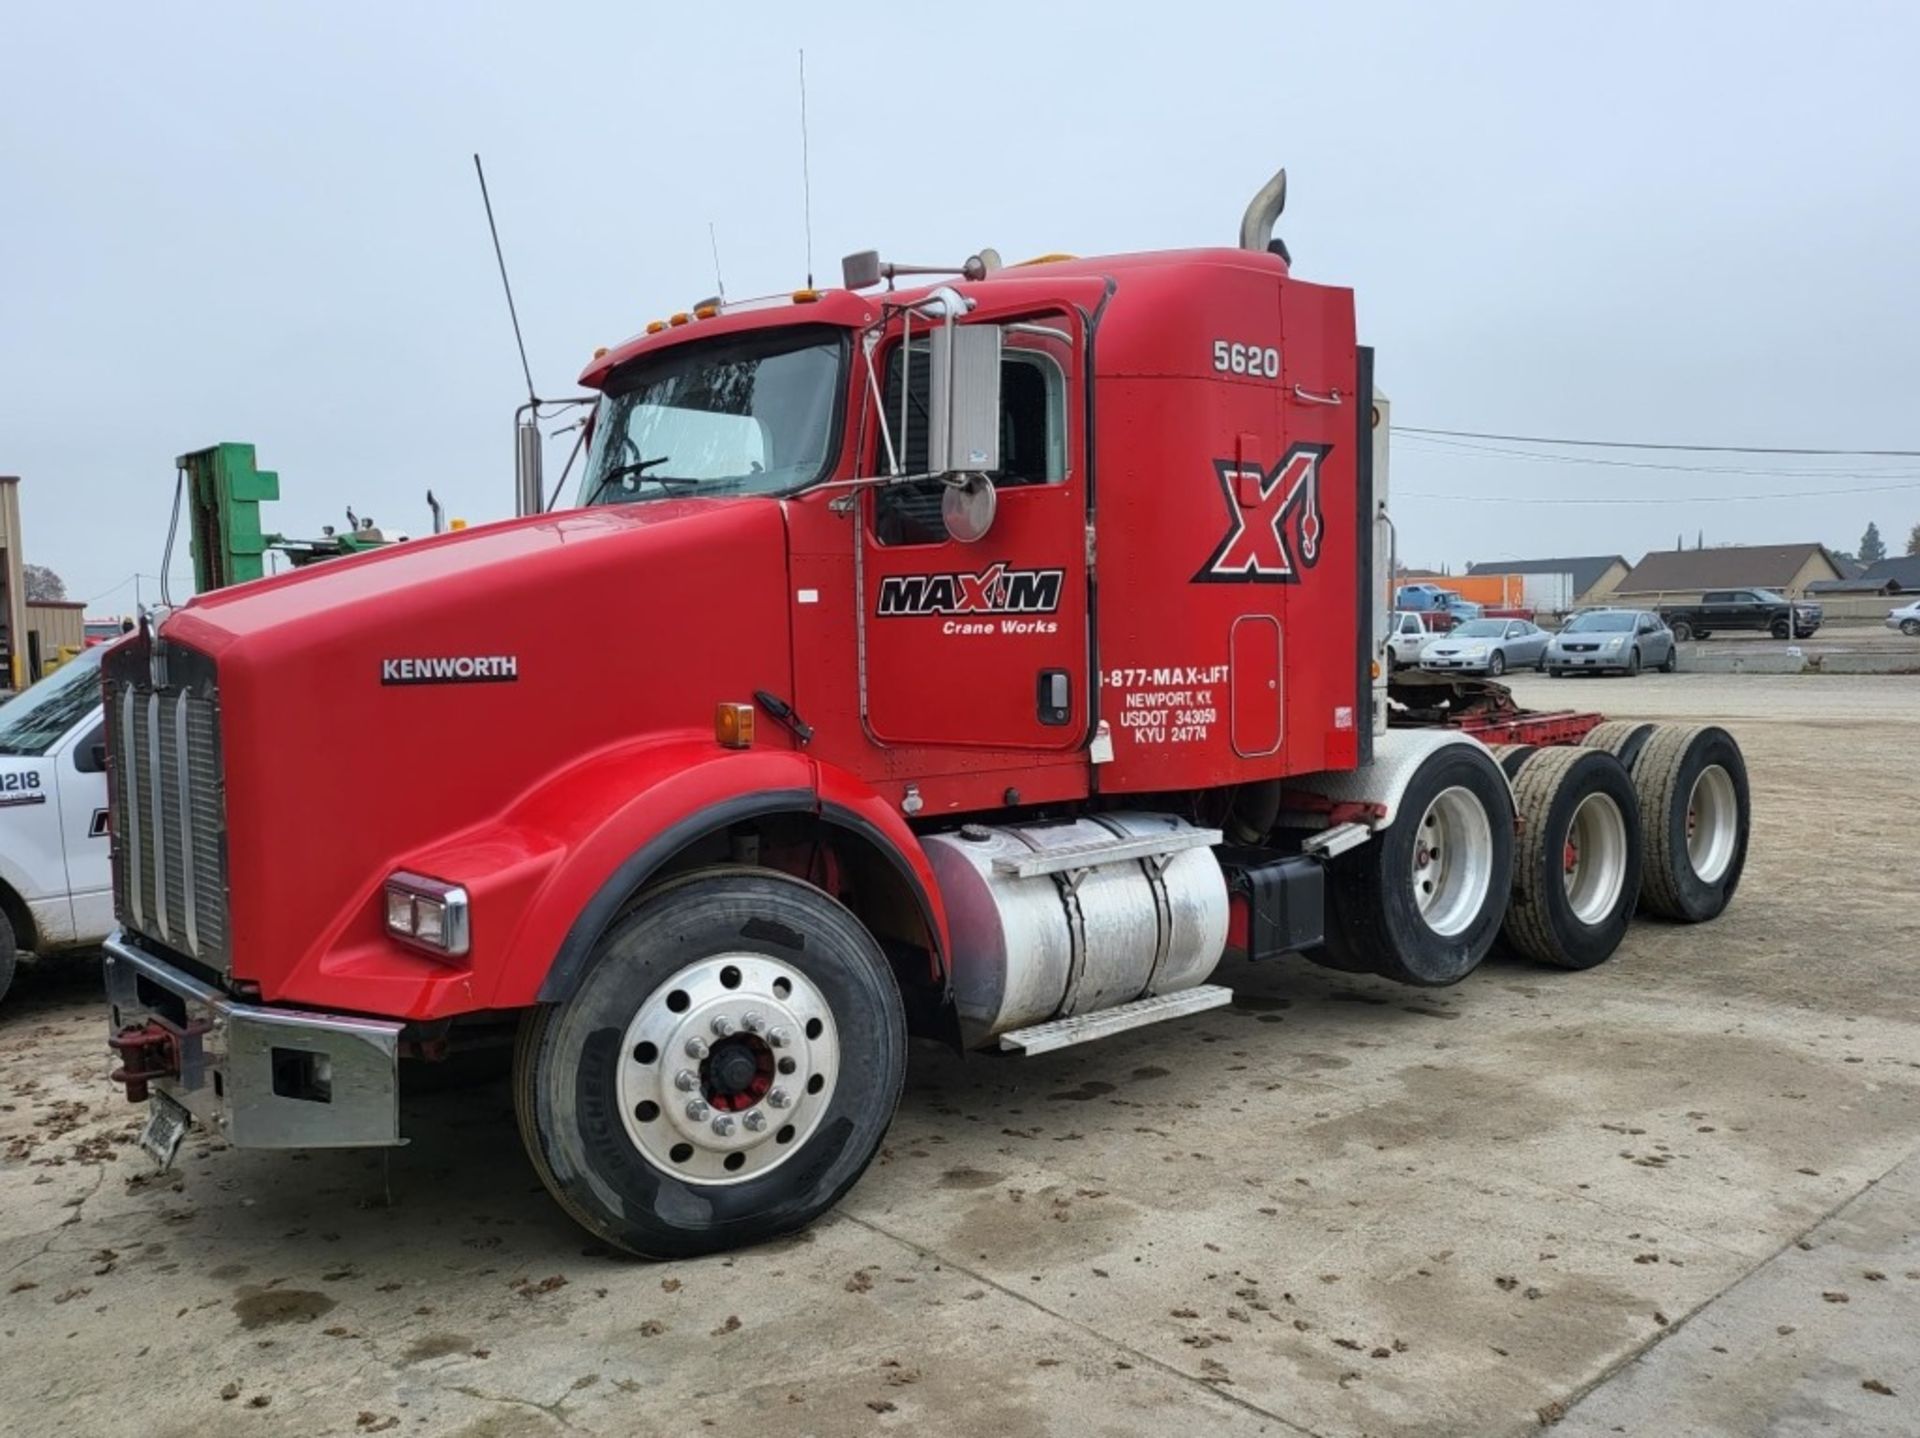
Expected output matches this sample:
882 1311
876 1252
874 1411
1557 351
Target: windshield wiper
621 471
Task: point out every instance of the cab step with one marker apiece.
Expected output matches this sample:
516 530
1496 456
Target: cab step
1084 1028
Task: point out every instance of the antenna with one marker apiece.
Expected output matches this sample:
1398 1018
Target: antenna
505 283
719 284
806 174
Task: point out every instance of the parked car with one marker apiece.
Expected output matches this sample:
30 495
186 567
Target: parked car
1423 598
1621 641
55 875
1487 646
1906 619
1757 609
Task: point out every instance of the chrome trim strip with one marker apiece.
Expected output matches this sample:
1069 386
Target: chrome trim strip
129 784
154 784
188 864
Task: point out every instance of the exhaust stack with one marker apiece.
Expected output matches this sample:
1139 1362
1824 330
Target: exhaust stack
1256 226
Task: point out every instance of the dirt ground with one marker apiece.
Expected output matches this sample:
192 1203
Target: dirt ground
1662 1197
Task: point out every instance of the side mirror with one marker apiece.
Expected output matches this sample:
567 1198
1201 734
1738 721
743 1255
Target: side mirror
964 385
967 508
91 758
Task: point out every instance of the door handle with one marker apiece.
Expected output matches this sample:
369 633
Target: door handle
1307 396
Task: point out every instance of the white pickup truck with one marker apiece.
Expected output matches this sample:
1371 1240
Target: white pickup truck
55 874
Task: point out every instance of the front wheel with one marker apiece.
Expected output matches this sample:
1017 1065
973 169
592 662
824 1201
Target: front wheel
1781 629
1422 903
8 956
725 1071
1633 664
1672 661
1910 628
1497 665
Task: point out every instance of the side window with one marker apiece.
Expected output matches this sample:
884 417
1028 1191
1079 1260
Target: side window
1033 429
87 753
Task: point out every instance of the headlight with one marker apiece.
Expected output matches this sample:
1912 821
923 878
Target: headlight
1474 651
428 913
1616 642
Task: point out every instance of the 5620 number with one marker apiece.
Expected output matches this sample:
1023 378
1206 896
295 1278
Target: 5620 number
1260 361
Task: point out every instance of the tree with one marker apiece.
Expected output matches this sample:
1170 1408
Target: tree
42 583
1872 549
1913 540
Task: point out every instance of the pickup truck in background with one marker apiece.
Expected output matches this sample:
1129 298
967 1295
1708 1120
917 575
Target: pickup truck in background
1761 610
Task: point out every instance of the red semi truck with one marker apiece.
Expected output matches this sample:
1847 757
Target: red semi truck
1002 651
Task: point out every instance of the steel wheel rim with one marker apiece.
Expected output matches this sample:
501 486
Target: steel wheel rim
1713 822
1595 870
1452 861
692 1039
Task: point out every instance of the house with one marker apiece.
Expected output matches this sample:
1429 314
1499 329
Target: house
1590 577
1892 575
1786 568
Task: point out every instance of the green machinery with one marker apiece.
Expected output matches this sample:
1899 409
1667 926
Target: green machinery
225 488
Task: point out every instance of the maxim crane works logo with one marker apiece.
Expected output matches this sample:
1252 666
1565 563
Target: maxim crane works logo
998 589
1270 510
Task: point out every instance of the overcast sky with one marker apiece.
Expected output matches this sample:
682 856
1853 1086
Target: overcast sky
259 222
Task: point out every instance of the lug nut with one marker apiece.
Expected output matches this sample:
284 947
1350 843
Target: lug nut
686 1080
778 1098
755 1121
779 1037
697 1109
723 1125
722 1026
753 1023
696 1048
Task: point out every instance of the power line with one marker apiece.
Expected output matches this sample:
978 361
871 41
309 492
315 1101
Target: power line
1537 457
1655 499
1638 444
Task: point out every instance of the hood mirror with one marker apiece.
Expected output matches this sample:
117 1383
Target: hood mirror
967 508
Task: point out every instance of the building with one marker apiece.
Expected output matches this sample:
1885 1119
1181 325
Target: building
1786 568
1893 575
1590 577
31 635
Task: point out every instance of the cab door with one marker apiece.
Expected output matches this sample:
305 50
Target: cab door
80 772
983 644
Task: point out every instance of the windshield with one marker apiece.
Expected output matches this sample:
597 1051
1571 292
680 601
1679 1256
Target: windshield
1480 629
1610 619
748 415
33 722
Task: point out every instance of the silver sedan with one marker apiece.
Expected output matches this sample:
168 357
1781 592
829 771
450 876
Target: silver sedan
1620 641
1487 646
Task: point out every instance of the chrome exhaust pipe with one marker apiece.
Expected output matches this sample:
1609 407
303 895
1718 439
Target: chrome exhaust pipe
1256 226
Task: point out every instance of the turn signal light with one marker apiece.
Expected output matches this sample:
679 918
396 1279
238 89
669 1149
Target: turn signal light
733 726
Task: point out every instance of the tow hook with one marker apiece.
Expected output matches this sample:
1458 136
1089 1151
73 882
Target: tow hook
149 1052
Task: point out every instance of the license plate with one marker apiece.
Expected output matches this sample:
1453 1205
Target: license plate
167 1124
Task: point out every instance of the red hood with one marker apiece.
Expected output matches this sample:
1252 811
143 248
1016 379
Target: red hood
342 753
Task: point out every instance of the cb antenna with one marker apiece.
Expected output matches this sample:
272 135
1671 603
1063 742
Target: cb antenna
806 174
720 285
505 283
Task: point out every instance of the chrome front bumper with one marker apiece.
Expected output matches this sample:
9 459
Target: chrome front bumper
261 1077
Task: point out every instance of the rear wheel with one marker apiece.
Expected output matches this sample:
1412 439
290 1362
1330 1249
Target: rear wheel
1422 902
724 1073
1694 813
1682 631
1576 875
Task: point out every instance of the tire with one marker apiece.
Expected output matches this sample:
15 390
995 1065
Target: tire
1682 631
1496 665
1377 924
1633 664
1540 664
1667 762
608 1128
9 955
1576 868
1910 628
1781 629
1672 661
1556 673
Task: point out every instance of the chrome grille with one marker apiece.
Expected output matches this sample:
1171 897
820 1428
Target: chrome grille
169 818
